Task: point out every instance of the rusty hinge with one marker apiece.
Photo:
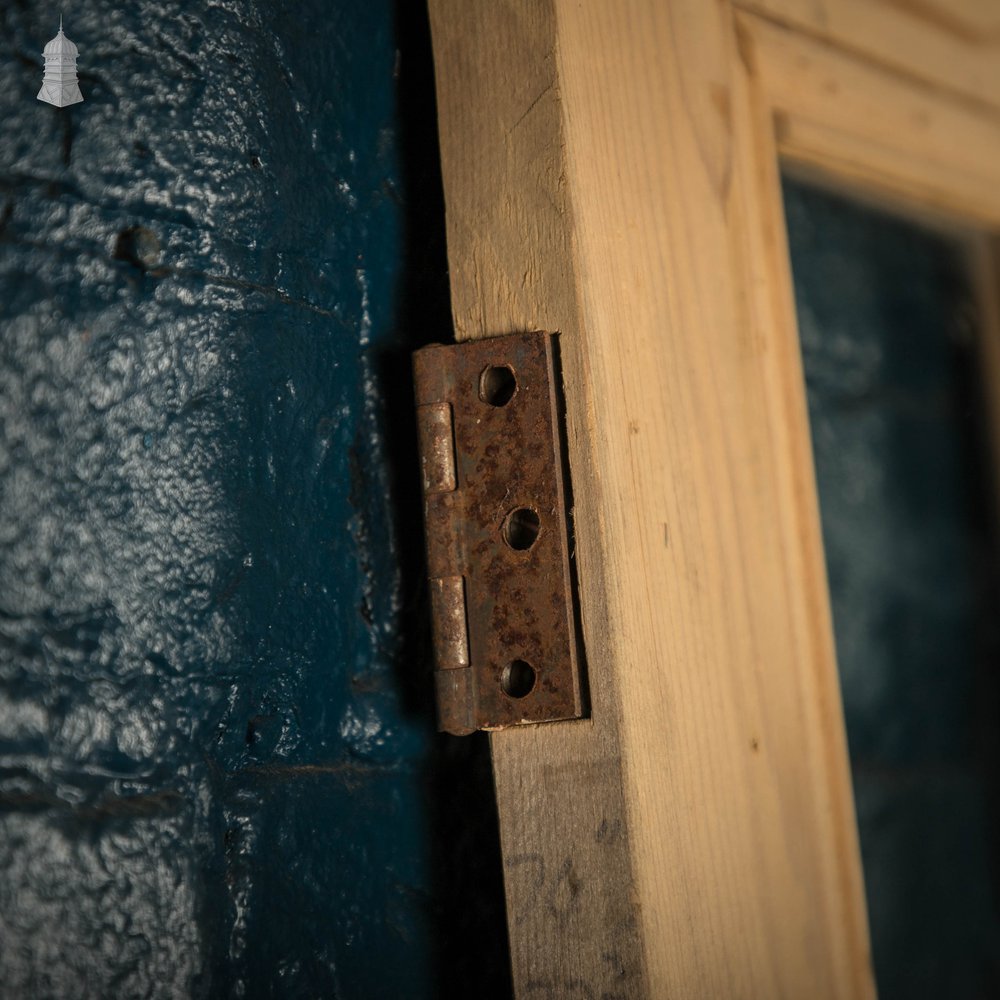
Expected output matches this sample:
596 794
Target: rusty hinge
505 636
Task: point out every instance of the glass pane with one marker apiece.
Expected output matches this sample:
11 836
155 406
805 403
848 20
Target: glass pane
888 342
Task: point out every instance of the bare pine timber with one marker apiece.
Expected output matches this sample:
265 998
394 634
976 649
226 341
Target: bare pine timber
865 127
953 45
610 172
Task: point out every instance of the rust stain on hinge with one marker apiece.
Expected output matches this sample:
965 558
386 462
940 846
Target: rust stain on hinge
495 513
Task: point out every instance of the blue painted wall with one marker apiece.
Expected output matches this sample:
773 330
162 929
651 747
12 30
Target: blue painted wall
218 771
888 330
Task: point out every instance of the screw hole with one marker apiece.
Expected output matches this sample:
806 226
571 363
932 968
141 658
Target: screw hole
497 385
139 246
521 528
518 679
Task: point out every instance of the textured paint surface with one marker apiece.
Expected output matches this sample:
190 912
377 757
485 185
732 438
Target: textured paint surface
887 328
217 768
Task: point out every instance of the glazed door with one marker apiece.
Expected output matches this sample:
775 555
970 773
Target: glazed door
613 171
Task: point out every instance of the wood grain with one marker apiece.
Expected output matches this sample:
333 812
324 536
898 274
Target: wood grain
873 130
610 172
953 45
573 909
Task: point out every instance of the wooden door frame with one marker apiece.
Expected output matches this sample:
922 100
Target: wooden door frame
611 171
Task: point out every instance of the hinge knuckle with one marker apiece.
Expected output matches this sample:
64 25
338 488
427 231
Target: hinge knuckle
451 638
437 447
